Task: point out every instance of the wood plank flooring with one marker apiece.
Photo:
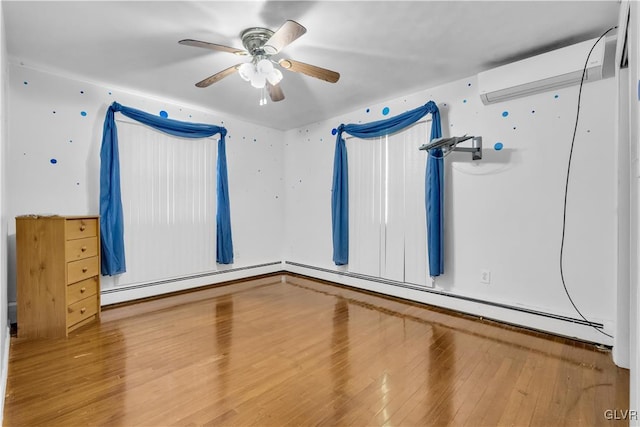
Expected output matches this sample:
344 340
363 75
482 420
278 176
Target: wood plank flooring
287 351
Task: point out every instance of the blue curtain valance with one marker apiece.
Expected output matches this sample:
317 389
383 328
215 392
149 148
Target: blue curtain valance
340 187
111 217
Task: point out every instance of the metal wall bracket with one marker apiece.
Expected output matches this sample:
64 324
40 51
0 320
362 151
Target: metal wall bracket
451 144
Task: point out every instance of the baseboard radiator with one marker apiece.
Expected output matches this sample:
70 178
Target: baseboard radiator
445 294
227 271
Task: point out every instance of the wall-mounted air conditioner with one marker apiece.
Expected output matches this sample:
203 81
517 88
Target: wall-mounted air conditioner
551 70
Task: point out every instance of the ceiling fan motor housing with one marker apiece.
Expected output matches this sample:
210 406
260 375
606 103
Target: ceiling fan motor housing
253 40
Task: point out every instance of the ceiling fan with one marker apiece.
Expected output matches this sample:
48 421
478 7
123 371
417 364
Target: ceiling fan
261 44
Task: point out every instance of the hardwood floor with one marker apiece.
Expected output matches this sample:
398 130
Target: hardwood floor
299 352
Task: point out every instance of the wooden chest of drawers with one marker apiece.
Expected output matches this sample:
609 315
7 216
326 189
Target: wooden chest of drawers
58 274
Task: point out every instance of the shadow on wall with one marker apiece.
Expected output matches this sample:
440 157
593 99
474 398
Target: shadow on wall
492 162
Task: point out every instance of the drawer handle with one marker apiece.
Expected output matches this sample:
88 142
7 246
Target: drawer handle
82 290
83 227
82 310
84 269
83 249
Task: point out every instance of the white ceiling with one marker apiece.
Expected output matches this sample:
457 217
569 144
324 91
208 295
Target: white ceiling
382 49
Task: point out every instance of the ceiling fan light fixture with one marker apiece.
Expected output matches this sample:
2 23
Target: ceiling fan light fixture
274 77
264 66
246 71
258 81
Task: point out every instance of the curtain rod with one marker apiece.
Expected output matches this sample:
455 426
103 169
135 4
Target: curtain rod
408 127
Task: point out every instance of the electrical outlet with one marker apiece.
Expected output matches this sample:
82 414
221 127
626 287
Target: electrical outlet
485 276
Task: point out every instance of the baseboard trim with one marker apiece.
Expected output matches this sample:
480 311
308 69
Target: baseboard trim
557 324
138 291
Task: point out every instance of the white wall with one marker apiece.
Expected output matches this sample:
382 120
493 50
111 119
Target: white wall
634 143
47 122
504 213
4 329
621 341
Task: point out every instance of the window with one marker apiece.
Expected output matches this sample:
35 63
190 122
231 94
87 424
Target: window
387 220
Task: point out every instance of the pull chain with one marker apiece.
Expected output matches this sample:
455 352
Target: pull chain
263 96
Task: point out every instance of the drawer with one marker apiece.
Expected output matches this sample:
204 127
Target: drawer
81 310
82 269
81 290
81 248
80 228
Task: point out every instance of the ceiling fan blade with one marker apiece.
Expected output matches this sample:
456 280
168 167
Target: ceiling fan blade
275 92
309 70
213 46
287 33
218 76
